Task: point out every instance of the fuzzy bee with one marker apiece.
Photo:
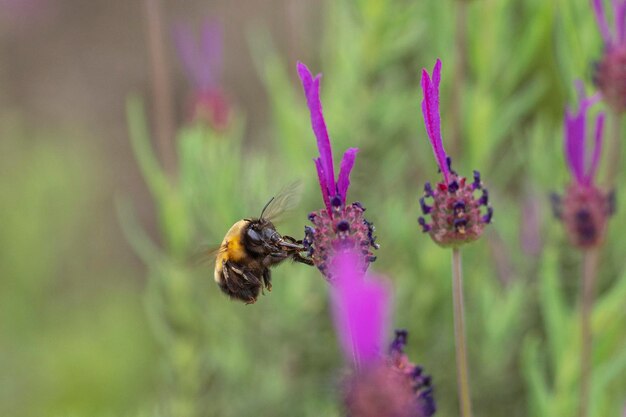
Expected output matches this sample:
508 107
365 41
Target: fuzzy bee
251 247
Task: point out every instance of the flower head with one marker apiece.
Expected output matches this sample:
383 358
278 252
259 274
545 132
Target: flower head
340 226
585 208
424 402
202 62
457 214
395 387
610 72
380 384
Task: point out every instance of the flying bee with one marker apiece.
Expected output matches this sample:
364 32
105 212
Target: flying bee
251 247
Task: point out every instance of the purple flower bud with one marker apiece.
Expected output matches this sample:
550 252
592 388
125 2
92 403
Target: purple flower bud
457 216
584 209
393 387
201 59
610 75
340 226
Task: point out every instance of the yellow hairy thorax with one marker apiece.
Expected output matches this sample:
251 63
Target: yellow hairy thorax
232 245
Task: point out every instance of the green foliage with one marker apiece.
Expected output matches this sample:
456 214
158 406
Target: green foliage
59 353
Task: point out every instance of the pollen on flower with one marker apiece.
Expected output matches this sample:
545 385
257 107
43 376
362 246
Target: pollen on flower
458 210
344 229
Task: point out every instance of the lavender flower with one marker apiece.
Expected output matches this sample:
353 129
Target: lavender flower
378 385
585 208
456 213
340 226
610 70
424 402
202 62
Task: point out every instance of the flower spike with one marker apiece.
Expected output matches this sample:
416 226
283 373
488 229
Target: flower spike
430 109
340 226
201 60
392 387
584 208
458 213
609 76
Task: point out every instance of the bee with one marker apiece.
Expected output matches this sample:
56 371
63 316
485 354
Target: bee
250 248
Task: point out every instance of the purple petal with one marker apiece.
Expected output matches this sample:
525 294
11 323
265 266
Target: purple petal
430 109
575 143
187 53
597 149
347 162
361 308
211 47
602 23
311 88
322 179
619 9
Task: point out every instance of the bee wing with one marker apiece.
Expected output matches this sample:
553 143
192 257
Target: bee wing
205 255
286 199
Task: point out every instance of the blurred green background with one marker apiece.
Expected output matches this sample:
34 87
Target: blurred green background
101 314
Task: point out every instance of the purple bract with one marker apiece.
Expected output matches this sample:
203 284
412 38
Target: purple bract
458 214
361 308
582 164
584 208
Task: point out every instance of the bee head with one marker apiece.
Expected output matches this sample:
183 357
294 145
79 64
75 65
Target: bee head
260 234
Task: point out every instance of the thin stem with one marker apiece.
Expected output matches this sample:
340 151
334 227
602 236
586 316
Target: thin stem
460 44
615 147
465 402
590 268
162 91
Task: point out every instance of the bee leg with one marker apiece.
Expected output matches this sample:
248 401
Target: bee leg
274 258
230 277
235 283
302 259
267 279
244 274
290 244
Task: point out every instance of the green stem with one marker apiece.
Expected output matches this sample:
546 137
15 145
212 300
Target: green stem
590 267
615 147
465 402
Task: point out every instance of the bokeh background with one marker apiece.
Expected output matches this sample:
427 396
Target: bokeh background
103 314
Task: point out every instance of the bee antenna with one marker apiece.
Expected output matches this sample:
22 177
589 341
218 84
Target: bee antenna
266 206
